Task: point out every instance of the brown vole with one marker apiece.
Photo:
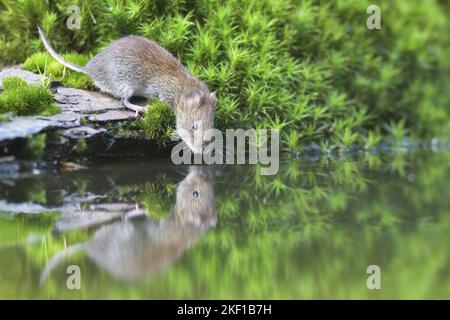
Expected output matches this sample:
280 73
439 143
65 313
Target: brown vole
134 248
136 66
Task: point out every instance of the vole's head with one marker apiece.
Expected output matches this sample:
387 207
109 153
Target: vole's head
194 116
195 203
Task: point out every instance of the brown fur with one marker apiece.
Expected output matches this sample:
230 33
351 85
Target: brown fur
136 62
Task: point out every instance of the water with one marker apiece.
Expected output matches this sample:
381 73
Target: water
148 230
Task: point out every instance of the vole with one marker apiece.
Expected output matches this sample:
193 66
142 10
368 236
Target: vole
137 247
136 66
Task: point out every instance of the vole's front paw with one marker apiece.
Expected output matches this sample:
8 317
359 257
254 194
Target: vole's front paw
137 109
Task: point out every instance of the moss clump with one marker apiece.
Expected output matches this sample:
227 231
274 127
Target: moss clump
157 122
21 99
43 63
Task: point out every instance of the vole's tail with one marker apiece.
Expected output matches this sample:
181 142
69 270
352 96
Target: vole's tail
57 56
57 259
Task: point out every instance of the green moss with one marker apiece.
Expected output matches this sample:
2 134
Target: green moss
155 197
4 118
80 146
13 83
43 63
373 139
21 99
157 122
84 120
34 146
154 200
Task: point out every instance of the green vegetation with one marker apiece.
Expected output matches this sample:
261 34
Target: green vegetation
156 124
80 146
43 63
153 196
157 121
34 148
21 99
312 69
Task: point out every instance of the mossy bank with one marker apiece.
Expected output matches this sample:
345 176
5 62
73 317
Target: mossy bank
19 98
311 69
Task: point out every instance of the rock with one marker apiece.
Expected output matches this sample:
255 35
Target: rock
7 159
83 101
30 77
65 117
27 208
112 116
22 127
75 218
8 170
82 132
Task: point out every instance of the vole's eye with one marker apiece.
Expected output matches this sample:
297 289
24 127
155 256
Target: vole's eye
195 127
195 194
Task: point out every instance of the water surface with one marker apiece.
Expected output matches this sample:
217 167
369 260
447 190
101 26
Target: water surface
149 230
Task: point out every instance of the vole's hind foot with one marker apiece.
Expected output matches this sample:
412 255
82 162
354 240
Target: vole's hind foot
138 109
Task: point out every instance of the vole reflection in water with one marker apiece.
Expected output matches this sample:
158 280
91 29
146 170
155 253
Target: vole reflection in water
136 247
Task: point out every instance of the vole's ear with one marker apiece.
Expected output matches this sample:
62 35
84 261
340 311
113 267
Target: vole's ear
193 97
213 98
